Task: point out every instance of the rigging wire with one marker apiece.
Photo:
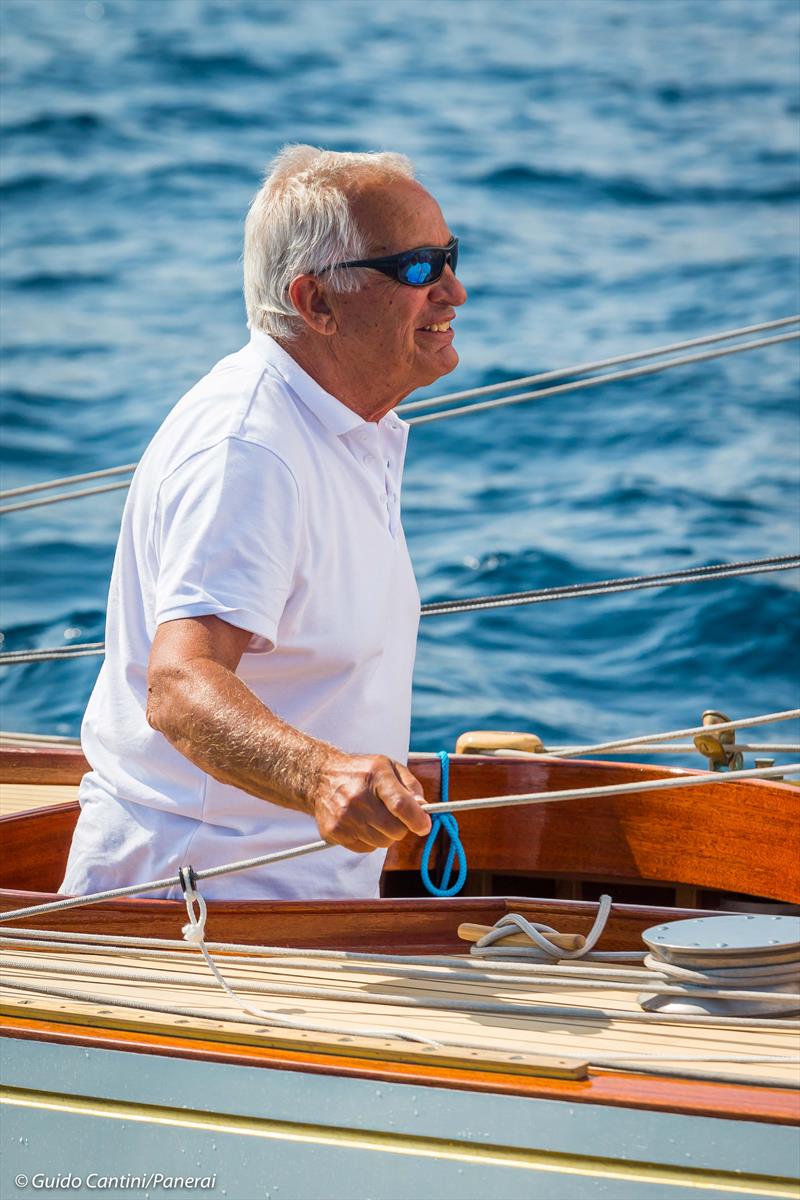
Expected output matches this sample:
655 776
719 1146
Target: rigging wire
598 365
630 583
43 500
757 566
596 380
68 480
451 397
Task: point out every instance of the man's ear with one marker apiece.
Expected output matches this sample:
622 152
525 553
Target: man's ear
310 300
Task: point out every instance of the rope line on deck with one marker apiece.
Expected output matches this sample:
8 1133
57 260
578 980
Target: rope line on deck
450 398
503 1008
438 608
454 806
194 933
421 966
324 991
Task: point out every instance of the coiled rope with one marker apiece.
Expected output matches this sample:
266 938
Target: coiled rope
444 822
449 399
541 948
631 583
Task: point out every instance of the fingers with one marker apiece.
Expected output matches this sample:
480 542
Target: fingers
368 802
409 780
402 794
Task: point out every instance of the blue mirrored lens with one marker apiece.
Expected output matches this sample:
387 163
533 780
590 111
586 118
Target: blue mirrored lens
417 272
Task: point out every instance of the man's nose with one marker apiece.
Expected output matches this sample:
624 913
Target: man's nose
449 288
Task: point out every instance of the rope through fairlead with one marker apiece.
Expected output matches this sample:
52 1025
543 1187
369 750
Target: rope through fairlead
633 583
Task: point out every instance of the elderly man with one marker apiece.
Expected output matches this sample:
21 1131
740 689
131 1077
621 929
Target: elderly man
263 612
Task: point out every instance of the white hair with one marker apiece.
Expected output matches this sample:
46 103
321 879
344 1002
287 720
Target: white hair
301 221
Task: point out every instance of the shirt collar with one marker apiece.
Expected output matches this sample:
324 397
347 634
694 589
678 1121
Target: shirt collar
334 415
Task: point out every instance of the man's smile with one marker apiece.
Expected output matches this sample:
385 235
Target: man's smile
440 329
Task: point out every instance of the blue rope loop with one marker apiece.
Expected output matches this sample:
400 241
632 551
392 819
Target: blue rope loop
448 823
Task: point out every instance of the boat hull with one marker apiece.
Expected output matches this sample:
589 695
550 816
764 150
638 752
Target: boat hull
96 1114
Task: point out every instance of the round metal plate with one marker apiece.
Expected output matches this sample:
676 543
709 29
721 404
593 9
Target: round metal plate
733 935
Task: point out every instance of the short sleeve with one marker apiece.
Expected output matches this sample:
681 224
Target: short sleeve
226 535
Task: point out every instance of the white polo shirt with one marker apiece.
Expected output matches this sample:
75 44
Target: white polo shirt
265 501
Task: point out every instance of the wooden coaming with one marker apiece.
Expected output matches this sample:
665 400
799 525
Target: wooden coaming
406 926
737 837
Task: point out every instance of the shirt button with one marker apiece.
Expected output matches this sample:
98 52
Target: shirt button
368 460
388 462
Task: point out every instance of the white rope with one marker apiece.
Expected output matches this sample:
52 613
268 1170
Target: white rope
452 969
788 714
13 658
449 1004
194 933
596 380
454 806
644 748
598 365
339 994
417 965
37 739
541 945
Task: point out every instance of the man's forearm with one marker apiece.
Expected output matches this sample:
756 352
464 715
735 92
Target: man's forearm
213 718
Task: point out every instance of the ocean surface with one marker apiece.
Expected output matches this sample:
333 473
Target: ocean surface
622 174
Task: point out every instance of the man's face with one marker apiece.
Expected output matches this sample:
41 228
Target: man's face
384 328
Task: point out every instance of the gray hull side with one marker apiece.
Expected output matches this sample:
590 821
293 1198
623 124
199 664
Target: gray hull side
78 1117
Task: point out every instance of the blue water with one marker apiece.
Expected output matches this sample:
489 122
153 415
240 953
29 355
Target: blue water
622 174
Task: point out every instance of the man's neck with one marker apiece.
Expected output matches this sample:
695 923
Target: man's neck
344 381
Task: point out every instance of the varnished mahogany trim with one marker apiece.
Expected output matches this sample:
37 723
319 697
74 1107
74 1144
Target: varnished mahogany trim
403 926
737 837
31 764
778 1106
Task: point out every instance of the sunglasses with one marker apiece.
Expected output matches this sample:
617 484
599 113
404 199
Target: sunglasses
416 268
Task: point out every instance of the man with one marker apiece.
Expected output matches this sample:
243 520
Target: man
263 613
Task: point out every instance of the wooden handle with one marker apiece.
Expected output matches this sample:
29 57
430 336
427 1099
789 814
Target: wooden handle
565 941
477 741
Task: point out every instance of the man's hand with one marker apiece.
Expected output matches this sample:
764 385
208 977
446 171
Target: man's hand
366 801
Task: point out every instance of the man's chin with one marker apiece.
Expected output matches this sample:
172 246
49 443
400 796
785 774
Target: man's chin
444 362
